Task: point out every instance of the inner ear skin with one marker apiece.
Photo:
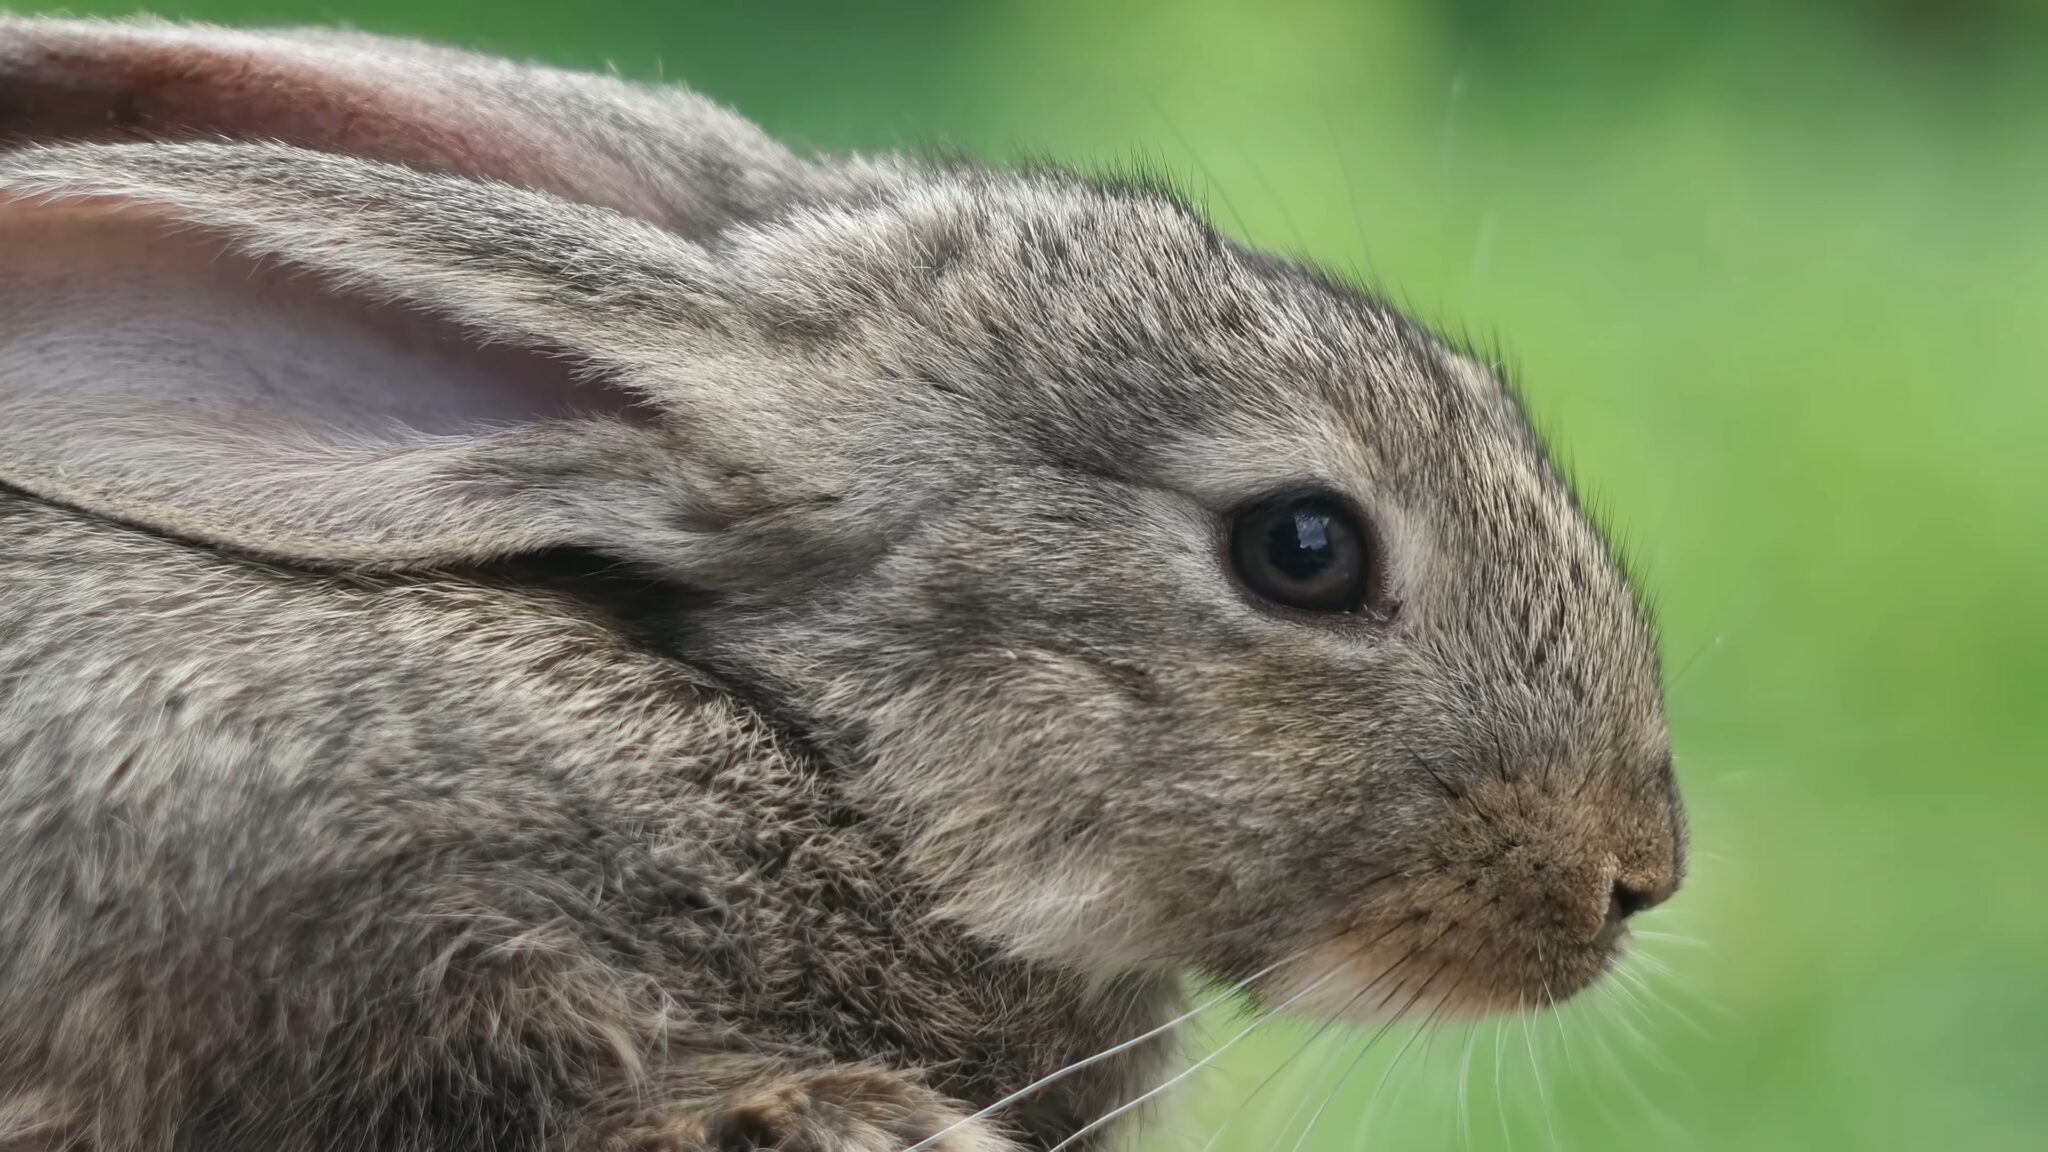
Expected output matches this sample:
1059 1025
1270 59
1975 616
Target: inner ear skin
165 87
663 155
34 110
151 375
152 293
129 88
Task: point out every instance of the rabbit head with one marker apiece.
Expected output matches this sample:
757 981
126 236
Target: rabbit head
1173 603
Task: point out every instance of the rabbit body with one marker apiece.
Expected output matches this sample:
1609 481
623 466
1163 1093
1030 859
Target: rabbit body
434 864
532 617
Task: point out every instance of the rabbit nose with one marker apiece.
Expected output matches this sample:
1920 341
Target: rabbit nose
1625 900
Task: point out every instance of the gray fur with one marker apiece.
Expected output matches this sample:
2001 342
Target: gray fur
823 710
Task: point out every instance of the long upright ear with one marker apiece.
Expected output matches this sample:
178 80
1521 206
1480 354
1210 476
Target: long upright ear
327 360
659 154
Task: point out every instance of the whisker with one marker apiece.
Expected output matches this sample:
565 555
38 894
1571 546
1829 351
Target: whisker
1661 1002
1204 1062
1447 143
1536 1071
1320 1031
1118 1049
1322 1070
1427 1032
1645 960
1369 1045
1557 1015
1624 983
1348 1005
1372 1100
1465 1089
1500 1102
1672 987
1263 1084
1672 1129
1598 1046
1482 259
1628 1028
1459 794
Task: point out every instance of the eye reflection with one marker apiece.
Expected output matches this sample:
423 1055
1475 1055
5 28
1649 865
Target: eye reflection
1304 552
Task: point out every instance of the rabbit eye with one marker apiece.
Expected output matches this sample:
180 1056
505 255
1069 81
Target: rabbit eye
1310 553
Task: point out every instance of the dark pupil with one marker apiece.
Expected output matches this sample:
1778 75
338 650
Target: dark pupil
1298 544
1305 553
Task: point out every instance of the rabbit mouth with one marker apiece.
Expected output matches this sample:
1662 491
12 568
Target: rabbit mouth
1510 905
1443 969
1437 968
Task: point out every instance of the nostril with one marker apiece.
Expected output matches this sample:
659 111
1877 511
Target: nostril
1626 900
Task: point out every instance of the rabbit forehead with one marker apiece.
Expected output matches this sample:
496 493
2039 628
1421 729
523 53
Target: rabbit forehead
1078 318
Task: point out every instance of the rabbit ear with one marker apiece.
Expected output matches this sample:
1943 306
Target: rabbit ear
665 156
330 361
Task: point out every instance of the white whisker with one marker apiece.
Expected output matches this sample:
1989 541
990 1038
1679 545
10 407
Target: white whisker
1626 984
1318 1034
1204 1062
1322 1069
1628 1028
1313 1040
1536 1070
1670 1127
1465 1089
1661 1002
1424 1030
1557 1016
1061 1074
1331 1060
1369 1044
1500 1102
1682 941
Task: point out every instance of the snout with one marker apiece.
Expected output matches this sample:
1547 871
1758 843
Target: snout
1520 894
1565 870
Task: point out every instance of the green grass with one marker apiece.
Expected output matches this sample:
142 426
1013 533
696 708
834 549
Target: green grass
1780 287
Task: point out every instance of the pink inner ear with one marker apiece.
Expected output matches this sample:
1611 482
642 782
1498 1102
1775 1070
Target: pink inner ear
58 83
150 375
110 315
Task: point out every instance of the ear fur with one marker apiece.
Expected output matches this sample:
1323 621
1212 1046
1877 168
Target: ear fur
667 156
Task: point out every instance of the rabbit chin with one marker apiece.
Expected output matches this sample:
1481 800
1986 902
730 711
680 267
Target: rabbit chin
1424 970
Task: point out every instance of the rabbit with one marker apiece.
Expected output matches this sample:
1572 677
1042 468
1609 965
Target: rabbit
533 617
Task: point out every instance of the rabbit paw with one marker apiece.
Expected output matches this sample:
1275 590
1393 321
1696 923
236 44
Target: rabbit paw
844 1110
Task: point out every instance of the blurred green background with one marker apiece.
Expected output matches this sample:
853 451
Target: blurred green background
1776 275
